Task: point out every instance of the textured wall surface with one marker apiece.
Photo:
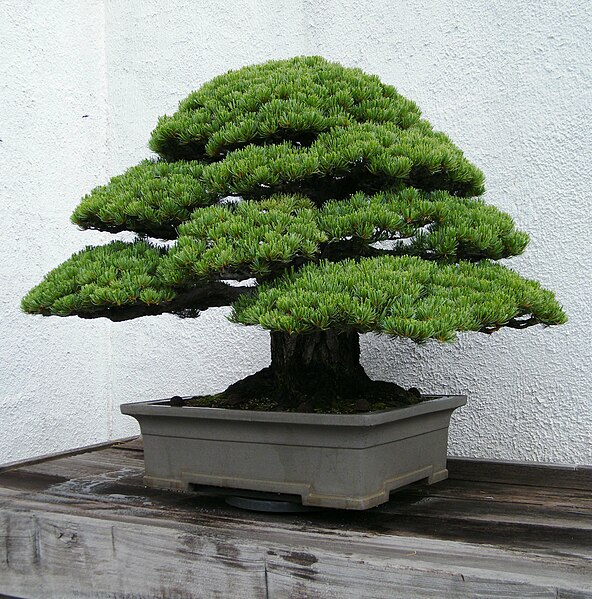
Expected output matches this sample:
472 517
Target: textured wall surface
81 87
55 380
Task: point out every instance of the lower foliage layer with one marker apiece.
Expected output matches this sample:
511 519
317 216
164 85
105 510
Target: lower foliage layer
401 296
263 238
110 276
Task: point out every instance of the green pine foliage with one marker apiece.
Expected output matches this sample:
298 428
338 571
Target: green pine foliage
152 198
373 155
244 240
286 99
403 296
109 276
155 197
326 186
433 225
263 238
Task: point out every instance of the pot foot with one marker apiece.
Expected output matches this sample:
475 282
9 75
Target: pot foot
280 506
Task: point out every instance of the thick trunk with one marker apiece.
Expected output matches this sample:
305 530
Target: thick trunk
315 372
316 367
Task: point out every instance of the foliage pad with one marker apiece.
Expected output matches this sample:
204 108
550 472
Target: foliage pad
115 275
286 99
401 296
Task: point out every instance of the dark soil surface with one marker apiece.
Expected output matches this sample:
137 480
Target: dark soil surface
257 392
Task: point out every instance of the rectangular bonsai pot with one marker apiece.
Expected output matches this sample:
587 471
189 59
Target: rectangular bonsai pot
348 461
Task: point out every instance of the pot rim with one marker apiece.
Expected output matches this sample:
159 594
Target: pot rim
157 408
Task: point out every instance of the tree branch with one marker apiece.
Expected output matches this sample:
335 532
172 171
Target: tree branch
186 305
155 230
514 323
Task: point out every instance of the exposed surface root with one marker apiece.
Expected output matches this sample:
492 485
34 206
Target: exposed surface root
259 392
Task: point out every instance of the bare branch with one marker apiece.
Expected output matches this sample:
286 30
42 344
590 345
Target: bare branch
514 323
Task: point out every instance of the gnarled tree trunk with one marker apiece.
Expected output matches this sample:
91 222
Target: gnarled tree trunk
312 367
315 372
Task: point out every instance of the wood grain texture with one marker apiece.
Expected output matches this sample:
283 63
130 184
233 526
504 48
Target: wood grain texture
524 473
71 452
85 526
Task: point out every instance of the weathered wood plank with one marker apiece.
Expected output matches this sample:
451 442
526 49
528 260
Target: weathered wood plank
423 512
335 577
110 554
69 452
58 555
85 526
184 510
76 466
521 473
28 481
504 493
499 512
135 444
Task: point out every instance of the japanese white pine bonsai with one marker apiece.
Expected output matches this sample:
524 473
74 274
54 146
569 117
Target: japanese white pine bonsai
339 206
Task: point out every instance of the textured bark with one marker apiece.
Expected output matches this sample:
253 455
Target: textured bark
316 366
314 372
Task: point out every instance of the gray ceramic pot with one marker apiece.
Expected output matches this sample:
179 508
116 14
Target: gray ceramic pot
329 460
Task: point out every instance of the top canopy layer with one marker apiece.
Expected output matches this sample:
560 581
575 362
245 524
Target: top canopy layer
292 99
303 125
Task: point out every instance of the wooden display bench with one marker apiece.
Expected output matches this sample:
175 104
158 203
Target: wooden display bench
83 525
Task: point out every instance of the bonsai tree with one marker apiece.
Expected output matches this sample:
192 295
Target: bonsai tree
317 202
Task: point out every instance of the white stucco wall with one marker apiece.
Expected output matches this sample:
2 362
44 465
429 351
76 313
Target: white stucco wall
81 87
